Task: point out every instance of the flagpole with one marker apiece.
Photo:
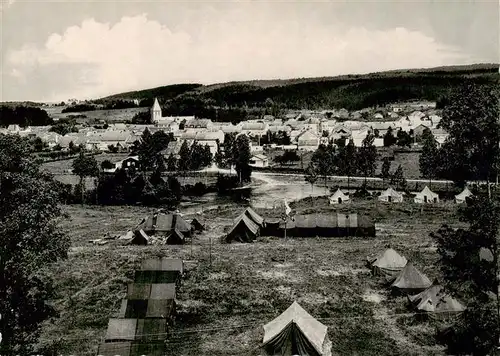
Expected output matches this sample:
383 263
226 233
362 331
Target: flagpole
285 239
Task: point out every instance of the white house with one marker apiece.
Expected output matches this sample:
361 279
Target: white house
259 161
129 162
308 141
254 129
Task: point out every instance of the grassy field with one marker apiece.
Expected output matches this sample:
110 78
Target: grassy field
109 116
232 290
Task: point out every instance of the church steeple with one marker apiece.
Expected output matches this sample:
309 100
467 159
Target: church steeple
156 111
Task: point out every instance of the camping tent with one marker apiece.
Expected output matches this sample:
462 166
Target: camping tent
388 263
197 225
243 230
140 238
329 225
296 332
156 270
162 223
175 237
411 280
338 197
460 198
390 195
146 291
436 302
426 196
256 218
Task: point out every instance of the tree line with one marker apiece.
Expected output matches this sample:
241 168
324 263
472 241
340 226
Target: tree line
24 116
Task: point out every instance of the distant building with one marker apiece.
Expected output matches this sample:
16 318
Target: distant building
259 161
127 163
156 112
308 141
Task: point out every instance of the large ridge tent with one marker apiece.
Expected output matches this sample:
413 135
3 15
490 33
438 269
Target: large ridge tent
256 218
156 270
391 196
426 196
147 308
388 264
460 198
151 291
411 280
329 225
436 303
163 223
296 332
338 197
243 230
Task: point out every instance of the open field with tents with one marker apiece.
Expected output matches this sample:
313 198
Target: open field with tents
232 290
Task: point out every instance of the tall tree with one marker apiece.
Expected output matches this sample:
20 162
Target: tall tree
429 157
471 119
367 156
385 170
398 178
184 162
389 138
347 161
469 264
311 176
323 160
29 241
171 163
242 155
85 166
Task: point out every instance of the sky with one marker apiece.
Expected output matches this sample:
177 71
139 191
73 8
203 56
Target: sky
57 50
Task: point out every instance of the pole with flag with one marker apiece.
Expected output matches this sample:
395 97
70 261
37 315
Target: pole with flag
288 210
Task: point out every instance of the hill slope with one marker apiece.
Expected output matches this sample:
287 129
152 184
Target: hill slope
348 91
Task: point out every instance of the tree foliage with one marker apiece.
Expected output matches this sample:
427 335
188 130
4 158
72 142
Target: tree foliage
429 158
23 116
389 138
29 241
469 264
472 148
367 156
241 158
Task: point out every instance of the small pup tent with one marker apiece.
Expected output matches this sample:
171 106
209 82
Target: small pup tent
256 218
426 196
391 196
243 230
460 198
436 303
338 197
296 332
388 264
197 225
411 280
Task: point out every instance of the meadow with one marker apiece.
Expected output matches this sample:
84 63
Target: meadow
231 291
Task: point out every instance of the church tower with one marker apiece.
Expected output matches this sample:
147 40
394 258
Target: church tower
156 112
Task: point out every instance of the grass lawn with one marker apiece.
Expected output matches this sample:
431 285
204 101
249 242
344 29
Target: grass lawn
231 291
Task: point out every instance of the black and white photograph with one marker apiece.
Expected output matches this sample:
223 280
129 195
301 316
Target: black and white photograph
249 177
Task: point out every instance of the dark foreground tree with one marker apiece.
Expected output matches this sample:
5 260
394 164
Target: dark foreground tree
469 263
241 157
429 158
85 166
472 149
29 241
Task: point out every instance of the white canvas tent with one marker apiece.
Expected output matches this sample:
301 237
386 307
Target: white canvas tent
296 332
460 198
411 280
391 196
388 263
426 196
436 302
338 197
